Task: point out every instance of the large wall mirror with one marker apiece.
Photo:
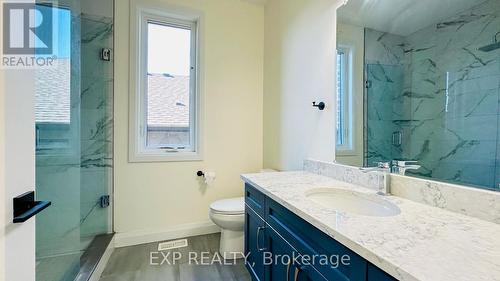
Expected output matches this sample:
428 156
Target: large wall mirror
420 81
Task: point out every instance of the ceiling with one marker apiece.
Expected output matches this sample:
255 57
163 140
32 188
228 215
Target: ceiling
401 17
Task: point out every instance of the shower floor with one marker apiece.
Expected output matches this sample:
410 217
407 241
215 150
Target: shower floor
77 265
58 268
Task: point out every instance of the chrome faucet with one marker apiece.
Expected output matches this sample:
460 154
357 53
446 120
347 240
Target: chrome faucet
381 167
400 167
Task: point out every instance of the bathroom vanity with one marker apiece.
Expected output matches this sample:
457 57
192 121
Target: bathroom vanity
272 231
410 241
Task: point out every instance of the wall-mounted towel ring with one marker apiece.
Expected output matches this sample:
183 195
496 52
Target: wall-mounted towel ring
200 174
320 105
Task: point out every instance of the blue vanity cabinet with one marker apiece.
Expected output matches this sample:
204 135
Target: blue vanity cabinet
254 243
312 242
271 231
376 274
278 268
255 199
281 265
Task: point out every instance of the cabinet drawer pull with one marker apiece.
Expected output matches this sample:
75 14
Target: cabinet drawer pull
288 270
297 272
259 229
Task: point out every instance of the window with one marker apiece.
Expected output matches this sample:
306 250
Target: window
167 93
344 100
56 128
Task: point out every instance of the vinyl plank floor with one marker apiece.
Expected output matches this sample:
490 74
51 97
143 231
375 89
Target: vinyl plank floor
193 263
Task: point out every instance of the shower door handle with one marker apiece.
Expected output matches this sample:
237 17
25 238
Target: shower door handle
25 207
397 138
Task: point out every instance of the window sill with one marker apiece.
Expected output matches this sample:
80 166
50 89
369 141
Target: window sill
163 156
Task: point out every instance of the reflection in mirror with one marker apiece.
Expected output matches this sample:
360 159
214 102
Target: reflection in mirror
420 81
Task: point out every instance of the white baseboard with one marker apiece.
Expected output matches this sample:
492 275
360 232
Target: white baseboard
101 265
125 239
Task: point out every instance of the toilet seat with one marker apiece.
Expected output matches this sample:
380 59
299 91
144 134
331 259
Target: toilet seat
233 206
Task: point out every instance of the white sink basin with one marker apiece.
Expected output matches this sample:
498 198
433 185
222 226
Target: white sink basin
353 202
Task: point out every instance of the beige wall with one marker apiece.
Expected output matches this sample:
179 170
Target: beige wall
162 196
353 36
299 69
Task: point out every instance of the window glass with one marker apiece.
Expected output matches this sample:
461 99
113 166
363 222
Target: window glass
341 98
53 89
169 87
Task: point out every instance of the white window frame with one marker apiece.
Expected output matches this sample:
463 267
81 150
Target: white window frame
174 17
348 114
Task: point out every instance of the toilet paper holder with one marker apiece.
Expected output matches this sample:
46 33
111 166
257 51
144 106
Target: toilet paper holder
208 177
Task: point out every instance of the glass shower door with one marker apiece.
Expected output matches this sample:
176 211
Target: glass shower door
57 118
74 137
459 134
384 116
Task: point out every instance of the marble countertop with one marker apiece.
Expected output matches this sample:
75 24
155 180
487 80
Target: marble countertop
421 243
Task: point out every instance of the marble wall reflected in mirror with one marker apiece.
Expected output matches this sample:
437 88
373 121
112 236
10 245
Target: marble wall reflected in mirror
420 81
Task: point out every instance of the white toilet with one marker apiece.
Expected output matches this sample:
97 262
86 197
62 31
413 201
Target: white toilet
229 215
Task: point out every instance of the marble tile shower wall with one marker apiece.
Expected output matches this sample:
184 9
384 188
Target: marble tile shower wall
449 105
456 138
81 179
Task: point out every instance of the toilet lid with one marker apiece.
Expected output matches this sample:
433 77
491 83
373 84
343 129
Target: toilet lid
233 206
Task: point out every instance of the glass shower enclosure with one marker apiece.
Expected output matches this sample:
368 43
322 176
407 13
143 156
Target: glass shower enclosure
434 96
74 137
